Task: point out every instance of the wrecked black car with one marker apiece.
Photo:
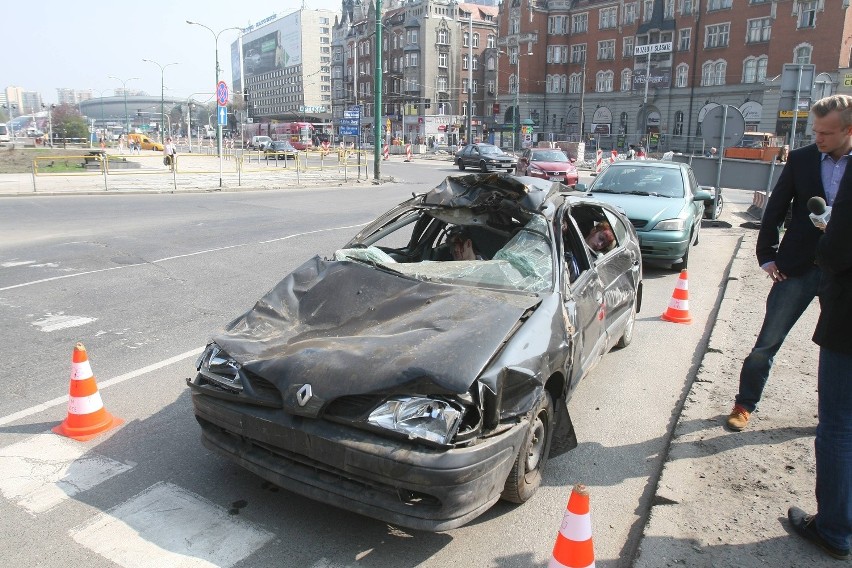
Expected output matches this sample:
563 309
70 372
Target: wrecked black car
423 371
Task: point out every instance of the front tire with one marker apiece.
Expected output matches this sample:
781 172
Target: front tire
684 262
525 476
461 165
483 167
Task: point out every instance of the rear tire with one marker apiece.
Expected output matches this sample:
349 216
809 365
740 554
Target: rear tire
525 476
627 336
461 165
483 167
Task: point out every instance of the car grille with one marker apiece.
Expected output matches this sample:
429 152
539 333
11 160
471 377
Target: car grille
255 390
638 223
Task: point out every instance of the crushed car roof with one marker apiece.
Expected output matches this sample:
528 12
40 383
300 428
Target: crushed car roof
478 190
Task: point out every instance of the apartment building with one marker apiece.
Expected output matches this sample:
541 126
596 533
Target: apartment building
434 83
620 71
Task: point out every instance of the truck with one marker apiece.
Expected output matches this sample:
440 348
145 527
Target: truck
763 146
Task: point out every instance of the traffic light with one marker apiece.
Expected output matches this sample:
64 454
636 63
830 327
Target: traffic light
428 103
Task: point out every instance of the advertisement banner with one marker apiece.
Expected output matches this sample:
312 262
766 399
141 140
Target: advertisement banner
660 79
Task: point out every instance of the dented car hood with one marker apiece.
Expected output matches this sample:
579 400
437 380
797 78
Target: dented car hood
346 328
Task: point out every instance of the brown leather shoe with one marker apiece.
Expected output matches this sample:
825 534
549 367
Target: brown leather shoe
738 418
804 525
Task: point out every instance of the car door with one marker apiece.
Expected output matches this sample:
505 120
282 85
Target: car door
583 297
619 271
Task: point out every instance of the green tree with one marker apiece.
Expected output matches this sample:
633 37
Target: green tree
69 123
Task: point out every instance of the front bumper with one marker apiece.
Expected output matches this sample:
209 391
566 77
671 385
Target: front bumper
663 245
397 482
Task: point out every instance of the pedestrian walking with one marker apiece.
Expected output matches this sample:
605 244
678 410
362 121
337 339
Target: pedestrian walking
169 153
121 143
831 527
813 171
631 152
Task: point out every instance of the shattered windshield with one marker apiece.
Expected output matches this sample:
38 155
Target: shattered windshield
517 258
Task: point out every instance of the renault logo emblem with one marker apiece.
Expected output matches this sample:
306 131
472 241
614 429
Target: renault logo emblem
303 395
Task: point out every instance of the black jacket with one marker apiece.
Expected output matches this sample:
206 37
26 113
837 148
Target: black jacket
834 256
800 180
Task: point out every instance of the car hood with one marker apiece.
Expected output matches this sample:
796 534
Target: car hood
645 207
567 166
346 328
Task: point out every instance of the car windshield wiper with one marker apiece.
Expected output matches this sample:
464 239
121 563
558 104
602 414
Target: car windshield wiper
604 190
648 193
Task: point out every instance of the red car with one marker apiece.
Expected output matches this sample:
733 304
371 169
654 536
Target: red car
547 163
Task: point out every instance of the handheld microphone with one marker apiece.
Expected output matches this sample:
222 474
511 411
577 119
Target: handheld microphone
820 212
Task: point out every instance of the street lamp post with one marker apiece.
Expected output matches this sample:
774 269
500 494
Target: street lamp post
162 97
377 88
124 88
470 79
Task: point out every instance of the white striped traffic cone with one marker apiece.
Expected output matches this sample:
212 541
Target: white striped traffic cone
574 548
87 416
678 310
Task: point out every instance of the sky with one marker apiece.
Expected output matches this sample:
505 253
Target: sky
78 45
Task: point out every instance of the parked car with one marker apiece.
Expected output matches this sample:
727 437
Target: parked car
486 157
663 201
547 163
280 150
399 383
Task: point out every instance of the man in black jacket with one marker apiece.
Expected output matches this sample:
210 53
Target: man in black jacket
831 528
813 171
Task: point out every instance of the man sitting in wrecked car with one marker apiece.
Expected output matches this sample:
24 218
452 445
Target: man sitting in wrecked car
462 244
601 239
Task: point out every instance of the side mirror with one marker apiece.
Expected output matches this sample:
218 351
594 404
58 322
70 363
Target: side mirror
702 195
580 187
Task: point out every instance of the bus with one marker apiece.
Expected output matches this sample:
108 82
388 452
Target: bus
4 133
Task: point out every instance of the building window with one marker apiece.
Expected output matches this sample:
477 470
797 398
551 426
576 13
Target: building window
442 84
603 81
606 50
557 25
442 60
464 62
513 55
647 10
669 9
514 25
684 37
491 42
491 63
464 85
475 86
681 75
475 62
608 18
718 35
625 80
443 37
754 69
713 73
579 23
807 14
758 30
575 83
465 39
678 126
627 50
578 53
802 54
718 5
629 13
475 40
513 83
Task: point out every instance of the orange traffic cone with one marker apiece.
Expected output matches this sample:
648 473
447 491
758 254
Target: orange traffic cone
87 416
678 310
573 548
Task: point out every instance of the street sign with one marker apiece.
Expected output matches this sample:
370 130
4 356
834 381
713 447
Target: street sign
348 130
351 114
222 93
664 47
349 122
711 126
222 116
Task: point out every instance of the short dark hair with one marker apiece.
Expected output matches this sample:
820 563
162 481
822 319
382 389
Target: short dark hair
839 103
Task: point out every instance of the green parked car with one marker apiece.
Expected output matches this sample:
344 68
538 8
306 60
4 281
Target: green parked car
663 201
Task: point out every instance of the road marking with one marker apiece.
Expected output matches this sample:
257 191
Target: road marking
55 322
101 385
42 471
187 255
167 526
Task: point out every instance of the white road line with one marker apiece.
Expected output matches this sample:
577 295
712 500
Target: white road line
42 471
101 385
207 251
167 526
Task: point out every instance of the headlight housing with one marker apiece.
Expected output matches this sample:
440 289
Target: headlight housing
535 169
431 419
218 367
671 225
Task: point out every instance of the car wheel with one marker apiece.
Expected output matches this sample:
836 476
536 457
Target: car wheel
525 476
461 165
678 266
718 209
627 336
483 167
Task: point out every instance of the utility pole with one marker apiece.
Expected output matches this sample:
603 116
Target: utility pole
377 88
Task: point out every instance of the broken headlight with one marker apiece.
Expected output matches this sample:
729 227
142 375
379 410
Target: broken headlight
419 417
220 368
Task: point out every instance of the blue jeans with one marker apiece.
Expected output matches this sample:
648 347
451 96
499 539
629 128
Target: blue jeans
785 304
833 447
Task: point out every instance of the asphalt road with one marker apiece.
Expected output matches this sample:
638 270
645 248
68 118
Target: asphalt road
143 281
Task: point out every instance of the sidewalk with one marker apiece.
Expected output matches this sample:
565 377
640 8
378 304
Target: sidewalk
722 498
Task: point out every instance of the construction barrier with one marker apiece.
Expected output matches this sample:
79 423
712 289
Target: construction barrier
599 161
613 156
408 152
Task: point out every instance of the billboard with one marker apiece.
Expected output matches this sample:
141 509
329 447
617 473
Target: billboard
660 78
269 48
